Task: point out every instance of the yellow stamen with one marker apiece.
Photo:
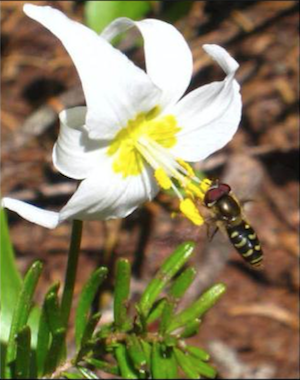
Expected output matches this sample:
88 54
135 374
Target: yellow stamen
189 209
187 167
205 185
162 178
195 190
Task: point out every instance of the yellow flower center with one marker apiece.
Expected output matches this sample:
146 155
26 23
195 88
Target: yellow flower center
147 140
125 148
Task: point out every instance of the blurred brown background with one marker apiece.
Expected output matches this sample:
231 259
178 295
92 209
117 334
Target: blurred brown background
254 331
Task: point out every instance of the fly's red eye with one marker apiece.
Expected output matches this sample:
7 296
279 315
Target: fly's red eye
224 188
215 193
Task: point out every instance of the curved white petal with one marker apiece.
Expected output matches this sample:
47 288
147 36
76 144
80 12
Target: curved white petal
106 195
209 116
169 61
75 154
115 89
44 218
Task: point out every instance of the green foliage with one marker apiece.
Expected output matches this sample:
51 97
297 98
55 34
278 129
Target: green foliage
10 280
98 14
146 343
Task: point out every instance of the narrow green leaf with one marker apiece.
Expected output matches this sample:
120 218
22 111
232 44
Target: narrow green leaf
198 308
203 369
90 328
71 271
126 368
169 268
22 310
190 329
157 367
56 351
98 14
170 364
85 301
136 353
22 368
105 331
166 316
185 365
10 279
156 311
147 352
182 283
163 363
122 289
87 336
177 290
58 331
33 323
53 311
106 367
198 353
72 375
87 374
43 338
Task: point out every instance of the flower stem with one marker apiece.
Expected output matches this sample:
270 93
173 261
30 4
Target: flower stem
71 271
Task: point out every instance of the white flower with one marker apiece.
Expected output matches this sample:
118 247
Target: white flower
136 133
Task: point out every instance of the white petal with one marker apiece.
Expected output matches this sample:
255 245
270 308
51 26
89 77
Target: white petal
75 154
106 195
115 89
210 115
169 61
44 218
224 59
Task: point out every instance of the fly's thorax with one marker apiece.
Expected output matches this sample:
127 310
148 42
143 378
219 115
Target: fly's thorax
227 209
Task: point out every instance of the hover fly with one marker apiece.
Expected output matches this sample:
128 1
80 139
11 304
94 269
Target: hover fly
227 213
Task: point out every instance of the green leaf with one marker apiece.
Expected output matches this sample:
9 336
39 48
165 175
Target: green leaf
53 311
198 308
177 290
43 339
103 366
190 329
156 310
169 268
126 368
23 353
58 331
85 343
122 290
166 317
203 369
85 301
72 375
10 280
163 363
56 351
136 352
185 364
198 353
87 374
22 309
147 352
98 14
182 283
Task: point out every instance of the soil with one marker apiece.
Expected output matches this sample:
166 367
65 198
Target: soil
253 332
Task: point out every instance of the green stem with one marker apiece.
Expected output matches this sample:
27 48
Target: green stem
71 271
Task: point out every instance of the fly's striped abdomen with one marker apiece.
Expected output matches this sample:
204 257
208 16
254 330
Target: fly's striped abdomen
244 239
